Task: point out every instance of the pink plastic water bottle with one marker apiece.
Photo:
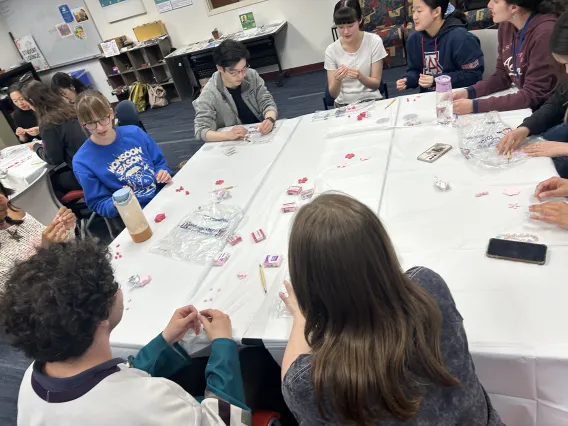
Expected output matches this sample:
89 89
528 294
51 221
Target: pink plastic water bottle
444 100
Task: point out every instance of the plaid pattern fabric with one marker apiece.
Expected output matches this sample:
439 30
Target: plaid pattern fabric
393 40
392 21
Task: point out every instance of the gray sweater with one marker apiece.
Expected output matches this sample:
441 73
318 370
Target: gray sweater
215 107
466 405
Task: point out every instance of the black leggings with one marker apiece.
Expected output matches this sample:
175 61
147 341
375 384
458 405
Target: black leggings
261 379
63 181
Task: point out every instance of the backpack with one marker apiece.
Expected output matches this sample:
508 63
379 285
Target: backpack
157 96
137 96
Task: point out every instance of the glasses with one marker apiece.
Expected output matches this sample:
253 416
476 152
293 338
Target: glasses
93 124
236 73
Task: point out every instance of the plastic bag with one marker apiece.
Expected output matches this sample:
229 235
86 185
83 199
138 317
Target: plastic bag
201 234
479 135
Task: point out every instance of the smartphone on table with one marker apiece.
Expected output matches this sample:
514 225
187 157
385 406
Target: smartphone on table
434 152
517 251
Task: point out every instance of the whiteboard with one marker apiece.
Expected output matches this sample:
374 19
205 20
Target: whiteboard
40 17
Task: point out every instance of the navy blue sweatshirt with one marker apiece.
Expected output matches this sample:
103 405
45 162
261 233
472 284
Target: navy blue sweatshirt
454 52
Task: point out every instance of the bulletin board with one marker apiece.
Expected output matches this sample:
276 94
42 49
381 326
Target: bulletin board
63 36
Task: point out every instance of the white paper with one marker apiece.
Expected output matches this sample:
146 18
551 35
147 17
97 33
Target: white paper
165 6
31 53
176 4
110 48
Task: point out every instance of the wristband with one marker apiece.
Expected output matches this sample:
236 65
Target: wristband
271 119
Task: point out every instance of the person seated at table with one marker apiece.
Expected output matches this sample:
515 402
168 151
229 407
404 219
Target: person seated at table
59 308
70 87
354 62
60 132
551 120
24 117
523 59
441 45
555 212
235 95
115 157
21 234
370 344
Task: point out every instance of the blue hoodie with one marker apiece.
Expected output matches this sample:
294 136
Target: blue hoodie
454 52
133 160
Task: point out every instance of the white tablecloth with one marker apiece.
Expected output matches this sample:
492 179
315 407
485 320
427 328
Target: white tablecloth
20 167
513 313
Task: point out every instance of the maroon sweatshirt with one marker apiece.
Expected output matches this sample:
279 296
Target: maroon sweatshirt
537 74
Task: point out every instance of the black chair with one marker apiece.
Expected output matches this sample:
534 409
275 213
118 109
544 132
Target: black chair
329 101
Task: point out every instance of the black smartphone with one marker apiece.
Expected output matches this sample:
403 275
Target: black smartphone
517 251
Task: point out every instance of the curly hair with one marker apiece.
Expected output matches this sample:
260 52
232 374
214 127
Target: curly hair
53 302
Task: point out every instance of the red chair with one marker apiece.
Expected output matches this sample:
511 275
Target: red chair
266 418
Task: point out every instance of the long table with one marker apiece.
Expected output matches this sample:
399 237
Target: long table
513 312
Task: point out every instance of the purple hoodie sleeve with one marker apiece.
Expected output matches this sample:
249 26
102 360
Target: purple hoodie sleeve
539 80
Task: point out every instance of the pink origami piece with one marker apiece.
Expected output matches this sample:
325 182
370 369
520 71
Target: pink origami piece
241 275
481 194
512 191
220 182
303 180
159 217
350 156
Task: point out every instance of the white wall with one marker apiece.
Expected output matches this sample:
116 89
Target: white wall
303 43
9 55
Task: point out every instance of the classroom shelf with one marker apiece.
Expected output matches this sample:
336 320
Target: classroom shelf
129 64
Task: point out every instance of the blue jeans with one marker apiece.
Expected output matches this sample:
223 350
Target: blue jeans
559 134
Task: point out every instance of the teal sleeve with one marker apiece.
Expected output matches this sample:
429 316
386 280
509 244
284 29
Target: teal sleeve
223 373
159 359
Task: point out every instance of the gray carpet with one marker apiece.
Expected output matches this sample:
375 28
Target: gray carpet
172 128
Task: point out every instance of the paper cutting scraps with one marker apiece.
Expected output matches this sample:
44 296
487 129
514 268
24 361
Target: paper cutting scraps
289 207
349 156
258 236
342 165
307 193
219 182
221 258
139 280
512 191
514 206
442 185
294 190
242 275
159 217
365 158
522 237
481 194
235 239
302 180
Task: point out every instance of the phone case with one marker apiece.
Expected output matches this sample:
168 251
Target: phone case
515 259
434 152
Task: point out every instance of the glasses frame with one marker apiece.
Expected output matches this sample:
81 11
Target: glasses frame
105 121
236 73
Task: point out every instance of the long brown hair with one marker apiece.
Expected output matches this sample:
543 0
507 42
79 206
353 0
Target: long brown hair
50 107
374 334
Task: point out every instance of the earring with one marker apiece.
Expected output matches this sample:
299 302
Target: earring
514 17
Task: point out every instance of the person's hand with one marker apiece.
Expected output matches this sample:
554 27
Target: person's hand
54 233
353 73
459 94
426 81
463 106
183 319
341 73
33 131
555 212
237 132
163 176
66 217
290 301
401 84
265 127
546 149
512 140
20 131
553 187
216 324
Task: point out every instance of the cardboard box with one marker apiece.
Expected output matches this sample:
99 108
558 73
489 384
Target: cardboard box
119 42
151 30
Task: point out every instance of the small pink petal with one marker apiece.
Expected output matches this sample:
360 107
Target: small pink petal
118 245
186 192
220 182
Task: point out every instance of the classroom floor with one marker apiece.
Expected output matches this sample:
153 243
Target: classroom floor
172 126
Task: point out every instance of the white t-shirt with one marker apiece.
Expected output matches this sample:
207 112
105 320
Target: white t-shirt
370 51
